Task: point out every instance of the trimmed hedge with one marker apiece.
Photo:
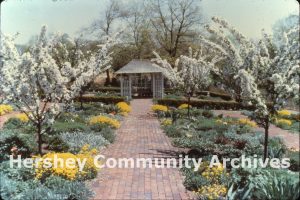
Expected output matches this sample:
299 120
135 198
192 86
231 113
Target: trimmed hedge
103 99
225 97
106 89
217 105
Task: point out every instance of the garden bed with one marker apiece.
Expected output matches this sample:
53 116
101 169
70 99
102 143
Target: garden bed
79 134
203 135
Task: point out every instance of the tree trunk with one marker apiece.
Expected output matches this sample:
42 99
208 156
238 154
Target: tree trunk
39 138
189 102
80 99
267 124
107 77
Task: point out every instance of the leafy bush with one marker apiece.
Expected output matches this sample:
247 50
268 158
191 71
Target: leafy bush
75 140
10 139
17 173
54 188
59 127
259 183
276 147
207 104
172 131
207 113
103 99
13 123
55 143
225 97
108 134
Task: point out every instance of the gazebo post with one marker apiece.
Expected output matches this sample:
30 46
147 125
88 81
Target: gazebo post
153 86
130 86
162 85
122 85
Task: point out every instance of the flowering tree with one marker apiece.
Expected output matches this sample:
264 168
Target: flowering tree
263 74
190 73
235 52
38 86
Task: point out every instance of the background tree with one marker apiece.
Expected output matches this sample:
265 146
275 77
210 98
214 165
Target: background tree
173 23
104 25
190 73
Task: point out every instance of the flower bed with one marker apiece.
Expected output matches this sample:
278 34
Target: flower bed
79 134
205 135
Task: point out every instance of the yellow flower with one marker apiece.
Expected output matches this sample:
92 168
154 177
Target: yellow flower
70 172
184 106
23 117
124 107
158 107
283 113
219 121
166 122
248 122
104 120
4 109
284 122
213 191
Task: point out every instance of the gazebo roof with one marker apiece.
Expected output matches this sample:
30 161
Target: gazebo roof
139 66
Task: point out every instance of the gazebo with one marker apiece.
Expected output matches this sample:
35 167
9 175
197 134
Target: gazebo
141 78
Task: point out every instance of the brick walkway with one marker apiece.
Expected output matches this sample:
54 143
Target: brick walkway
140 136
290 139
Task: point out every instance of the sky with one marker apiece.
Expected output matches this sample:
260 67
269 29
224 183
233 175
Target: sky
68 16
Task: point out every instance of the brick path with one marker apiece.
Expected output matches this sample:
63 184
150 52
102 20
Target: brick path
290 139
140 136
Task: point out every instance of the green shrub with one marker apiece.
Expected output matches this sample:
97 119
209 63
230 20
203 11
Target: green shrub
55 143
260 183
13 123
172 131
276 147
294 160
70 117
76 140
207 113
11 189
225 97
108 134
59 127
206 124
16 173
278 184
106 89
10 139
193 180
103 99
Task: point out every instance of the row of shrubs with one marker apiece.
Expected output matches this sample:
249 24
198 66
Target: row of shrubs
207 104
103 99
225 97
107 89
